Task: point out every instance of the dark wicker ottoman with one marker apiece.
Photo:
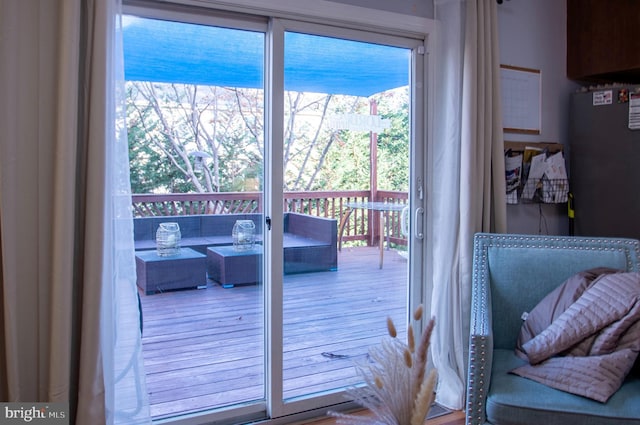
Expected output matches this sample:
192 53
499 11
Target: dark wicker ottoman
157 274
229 267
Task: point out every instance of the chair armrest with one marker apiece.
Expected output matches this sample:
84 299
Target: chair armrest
309 226
480 359
480 354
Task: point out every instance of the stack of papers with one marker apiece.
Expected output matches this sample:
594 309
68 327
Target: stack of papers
550 176
513 169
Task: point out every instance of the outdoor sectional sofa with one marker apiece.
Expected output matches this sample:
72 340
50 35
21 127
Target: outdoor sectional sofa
310 242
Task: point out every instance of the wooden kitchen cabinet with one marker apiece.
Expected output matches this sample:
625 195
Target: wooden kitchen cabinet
603 40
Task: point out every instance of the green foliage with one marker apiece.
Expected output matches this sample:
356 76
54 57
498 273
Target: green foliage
393 149
167 122
150 169
348 165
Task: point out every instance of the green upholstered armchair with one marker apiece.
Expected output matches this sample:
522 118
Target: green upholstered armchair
511 274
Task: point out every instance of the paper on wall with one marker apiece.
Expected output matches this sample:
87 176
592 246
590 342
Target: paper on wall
513 172
550 176
555 188
634 111
536 171
555 167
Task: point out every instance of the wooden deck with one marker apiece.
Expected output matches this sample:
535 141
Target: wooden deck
204 348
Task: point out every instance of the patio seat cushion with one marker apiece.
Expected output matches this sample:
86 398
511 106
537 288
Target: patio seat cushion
222 224
290 240
513 399
144 229
201 243
192 242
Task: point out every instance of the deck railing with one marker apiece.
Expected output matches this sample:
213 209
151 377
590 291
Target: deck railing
362 224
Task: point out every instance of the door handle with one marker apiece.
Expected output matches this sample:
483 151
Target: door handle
417 223
404 221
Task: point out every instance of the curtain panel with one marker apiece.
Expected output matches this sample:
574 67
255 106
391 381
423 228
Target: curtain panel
70 328
468 187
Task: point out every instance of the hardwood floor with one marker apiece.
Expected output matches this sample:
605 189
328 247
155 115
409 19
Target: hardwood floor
204 348
453 418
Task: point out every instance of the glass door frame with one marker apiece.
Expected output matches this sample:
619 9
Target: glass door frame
274 137
365 28
246 411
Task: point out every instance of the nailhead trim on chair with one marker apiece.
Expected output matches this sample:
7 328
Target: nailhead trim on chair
536 241
478 344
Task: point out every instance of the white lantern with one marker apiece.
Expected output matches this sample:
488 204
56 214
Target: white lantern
199 160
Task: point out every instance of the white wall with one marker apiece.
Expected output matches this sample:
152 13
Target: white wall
533 35
421 8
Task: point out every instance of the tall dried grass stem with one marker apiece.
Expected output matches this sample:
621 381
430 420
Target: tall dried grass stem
417 314
391 328
411 339
379 382
395 391
424 399
421 356
408 360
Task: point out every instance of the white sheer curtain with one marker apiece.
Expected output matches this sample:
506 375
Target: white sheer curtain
468 187
111 386
126 394
69 328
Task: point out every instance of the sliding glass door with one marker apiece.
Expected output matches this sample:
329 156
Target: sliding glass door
195 123
310 136
347 162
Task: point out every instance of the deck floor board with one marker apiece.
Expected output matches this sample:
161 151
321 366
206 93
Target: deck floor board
202 348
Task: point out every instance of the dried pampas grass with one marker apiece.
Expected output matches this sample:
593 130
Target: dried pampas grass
398 390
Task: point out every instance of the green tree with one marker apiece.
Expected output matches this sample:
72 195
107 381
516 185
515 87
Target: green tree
349 162
393 144
168 122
